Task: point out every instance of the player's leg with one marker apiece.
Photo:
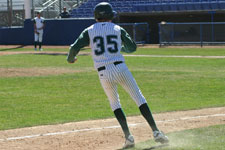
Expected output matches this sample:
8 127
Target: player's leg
120 116
129 84
40 39
146 112
110 89
35 41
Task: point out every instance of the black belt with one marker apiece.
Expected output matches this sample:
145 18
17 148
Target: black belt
115 63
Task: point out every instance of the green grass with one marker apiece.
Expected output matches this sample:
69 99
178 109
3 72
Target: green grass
31 60
208 138
183 51
56 99
169 84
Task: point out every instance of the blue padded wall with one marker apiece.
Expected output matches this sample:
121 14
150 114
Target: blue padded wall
64 32
12 36
56 32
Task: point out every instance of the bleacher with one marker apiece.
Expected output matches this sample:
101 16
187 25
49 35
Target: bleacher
86 9
180 5
125 6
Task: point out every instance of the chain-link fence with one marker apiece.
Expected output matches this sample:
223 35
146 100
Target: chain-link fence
192 33
138 31
12 12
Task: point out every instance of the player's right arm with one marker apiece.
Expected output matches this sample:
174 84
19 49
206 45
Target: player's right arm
82 41
129 45
35 27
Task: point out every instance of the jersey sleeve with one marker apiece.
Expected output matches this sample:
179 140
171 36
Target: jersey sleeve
129 45
82 41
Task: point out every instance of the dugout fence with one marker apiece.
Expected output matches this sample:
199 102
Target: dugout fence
202 33
138 31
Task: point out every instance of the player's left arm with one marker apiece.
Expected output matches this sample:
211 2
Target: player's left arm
82 41
43 24
129 45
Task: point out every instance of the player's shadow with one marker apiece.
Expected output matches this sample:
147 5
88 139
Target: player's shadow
156 147
17 47
151 148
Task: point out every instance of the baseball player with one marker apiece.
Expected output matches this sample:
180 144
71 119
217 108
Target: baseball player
107 40
38 31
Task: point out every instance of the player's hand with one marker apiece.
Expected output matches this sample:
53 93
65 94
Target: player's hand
75 59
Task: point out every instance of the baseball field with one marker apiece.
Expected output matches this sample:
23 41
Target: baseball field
48 104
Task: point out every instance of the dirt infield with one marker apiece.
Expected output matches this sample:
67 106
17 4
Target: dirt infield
28 72
31 46
32 52
104 134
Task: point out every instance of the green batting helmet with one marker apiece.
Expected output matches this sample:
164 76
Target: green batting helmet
104 10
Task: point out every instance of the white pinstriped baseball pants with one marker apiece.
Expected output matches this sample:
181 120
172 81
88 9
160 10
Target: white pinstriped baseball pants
38 37
119 74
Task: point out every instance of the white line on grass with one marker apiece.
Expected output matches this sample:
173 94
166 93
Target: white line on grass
102 128
174 56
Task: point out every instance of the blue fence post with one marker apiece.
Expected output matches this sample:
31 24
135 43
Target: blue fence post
148 34
173 33
134 31
212 32
212 23
201 35
159 25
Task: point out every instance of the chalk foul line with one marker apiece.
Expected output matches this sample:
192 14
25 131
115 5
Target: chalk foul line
109 127
174 56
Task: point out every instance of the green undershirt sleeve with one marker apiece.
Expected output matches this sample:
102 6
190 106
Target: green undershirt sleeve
129 45
82 41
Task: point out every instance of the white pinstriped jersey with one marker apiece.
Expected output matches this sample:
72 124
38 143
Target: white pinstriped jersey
107 40
106 43
39 22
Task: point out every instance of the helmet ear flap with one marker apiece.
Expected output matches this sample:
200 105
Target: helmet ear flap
114 14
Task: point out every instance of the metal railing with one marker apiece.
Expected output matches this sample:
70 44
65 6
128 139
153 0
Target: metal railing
12 12
52 8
